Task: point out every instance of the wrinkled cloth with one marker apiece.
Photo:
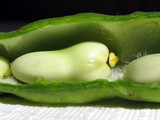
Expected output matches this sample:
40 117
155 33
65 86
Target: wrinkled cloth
19 112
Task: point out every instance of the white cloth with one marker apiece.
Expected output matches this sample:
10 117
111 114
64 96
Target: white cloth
19 112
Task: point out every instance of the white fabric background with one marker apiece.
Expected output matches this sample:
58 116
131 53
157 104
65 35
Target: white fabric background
19 112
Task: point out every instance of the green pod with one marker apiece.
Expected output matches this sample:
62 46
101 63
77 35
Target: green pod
136 31
79 93
128 36
80 63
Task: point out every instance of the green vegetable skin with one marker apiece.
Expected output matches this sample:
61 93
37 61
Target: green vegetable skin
127 36
83 92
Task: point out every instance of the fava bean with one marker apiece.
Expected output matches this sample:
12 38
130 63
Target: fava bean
80 63
144 69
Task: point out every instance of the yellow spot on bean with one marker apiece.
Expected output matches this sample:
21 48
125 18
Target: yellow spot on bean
113 59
